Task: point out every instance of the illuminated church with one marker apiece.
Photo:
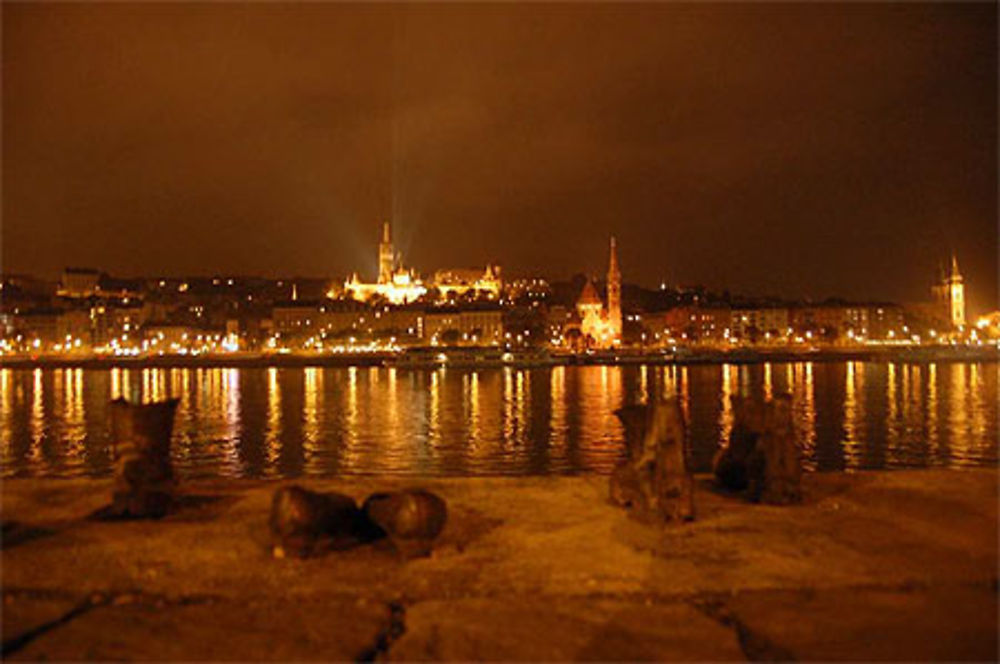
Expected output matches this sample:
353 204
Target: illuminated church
949 296
395 283
398 285
601 326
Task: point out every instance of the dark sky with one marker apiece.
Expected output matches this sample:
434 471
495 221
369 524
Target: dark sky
794 149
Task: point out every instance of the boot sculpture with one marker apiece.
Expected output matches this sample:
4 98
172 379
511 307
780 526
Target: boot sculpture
144 482
411 519
763 456
305 523
730 462
653 483
631 482
775 467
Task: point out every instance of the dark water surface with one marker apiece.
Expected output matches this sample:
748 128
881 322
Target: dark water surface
351 421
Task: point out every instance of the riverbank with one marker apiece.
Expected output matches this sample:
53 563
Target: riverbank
884 565
241 360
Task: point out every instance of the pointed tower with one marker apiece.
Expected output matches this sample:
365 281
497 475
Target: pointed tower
386 256
614 294
956 295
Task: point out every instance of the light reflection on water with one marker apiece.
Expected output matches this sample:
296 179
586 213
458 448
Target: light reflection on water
347 421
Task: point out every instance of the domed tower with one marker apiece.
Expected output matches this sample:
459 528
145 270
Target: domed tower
614 294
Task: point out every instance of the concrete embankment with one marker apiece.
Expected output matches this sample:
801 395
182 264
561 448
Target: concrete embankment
251 360
887 565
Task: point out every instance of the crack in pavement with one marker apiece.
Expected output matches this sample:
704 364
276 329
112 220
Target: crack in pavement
756 647
16 643
89 603
385 638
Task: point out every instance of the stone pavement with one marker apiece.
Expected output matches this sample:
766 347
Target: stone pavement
874 566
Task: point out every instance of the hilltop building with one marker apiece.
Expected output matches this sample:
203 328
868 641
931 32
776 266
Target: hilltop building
395 283
459 281
398 285
600 325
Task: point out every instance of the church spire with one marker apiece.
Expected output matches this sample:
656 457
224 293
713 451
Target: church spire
386 256
613 261
614 293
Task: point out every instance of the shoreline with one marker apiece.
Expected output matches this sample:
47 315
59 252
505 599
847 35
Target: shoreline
907 355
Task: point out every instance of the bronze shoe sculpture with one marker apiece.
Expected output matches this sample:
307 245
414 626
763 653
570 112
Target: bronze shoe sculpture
730 463
774 469
304 523
411 518
763 457
653 483
144 483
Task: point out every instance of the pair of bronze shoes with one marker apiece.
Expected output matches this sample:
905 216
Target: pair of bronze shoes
763 458
306 523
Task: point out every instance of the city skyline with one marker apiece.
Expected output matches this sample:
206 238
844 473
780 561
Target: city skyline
849 163
397 284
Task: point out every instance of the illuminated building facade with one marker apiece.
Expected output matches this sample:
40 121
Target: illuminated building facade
462 281
601 326
691 323
989 325
756 322
79 282
395 284
455 326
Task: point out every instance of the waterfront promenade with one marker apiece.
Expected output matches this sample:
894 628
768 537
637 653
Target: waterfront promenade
915 354
873 566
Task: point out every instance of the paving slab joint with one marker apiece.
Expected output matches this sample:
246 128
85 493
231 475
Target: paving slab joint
394 629
755 646
94 600
16 643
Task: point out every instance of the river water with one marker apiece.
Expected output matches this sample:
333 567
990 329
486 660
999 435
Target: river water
272 422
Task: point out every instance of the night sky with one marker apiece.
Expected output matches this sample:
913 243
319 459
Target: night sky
789 149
